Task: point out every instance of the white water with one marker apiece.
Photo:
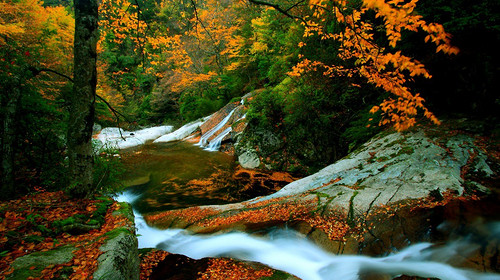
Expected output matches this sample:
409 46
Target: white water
182 132
214 145
291 252
204 138
111 137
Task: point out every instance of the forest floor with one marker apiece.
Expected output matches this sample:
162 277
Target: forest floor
45 222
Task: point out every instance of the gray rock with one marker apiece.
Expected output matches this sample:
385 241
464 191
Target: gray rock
39 260
119 259
388 169
249 160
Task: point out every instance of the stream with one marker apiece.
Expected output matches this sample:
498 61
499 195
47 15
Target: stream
171 176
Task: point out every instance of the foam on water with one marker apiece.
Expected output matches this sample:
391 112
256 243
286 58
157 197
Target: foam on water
204 138
290 251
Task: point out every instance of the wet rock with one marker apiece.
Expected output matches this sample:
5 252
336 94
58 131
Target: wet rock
120 257
249 160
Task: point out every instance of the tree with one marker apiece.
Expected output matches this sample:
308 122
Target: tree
32 37
82 100
367 33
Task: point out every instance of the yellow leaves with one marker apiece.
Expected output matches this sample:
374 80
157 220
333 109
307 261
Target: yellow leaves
11 29
381 67
259 47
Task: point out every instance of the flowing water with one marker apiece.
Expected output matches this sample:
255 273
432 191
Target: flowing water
171 176
204 138
291 252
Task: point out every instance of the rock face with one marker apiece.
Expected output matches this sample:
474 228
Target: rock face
31 265
392 168
389 169
120 258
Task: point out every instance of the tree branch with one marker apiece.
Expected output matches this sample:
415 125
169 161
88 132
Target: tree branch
37 71
279 9
115 112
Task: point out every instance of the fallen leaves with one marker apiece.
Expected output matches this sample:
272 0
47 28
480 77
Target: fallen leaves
150 261
228 269
27 226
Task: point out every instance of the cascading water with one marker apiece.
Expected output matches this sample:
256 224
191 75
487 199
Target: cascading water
204 138
291 252
214 145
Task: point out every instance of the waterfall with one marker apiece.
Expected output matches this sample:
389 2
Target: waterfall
214 145
204 138
291 252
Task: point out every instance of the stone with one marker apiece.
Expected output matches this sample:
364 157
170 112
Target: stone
31 265
387 169
120 258
249 160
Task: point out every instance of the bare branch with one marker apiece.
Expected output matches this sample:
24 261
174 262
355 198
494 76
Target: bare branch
37 71
115 112
279 9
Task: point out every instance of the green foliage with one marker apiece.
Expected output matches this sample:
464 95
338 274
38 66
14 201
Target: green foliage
316 124
107 171
196 104
37 128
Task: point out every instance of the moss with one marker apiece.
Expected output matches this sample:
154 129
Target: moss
117 231
125 210
33 264
406 150
381 159
277 275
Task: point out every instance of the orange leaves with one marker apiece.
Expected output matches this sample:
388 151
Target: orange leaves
274 210
227 269
379 66
32 219
150 261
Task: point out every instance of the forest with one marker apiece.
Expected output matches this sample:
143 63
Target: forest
328 76
333 73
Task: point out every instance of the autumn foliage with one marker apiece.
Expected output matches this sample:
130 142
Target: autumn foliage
219 269
383 66
29 225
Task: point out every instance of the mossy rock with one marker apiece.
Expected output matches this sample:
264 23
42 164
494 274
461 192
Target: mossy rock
32 265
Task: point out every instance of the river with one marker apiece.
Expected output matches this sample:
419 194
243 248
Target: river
179 175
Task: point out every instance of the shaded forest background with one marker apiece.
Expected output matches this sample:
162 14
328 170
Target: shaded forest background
176 61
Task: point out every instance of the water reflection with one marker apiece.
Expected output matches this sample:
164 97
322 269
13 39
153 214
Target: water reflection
177 175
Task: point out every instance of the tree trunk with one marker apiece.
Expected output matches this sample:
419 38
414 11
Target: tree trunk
81 114
8 137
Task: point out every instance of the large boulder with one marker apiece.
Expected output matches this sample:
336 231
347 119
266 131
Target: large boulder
391 168
117 138
120 257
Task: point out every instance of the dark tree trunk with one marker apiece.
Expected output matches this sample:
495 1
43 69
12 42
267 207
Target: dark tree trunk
7 189
81 111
